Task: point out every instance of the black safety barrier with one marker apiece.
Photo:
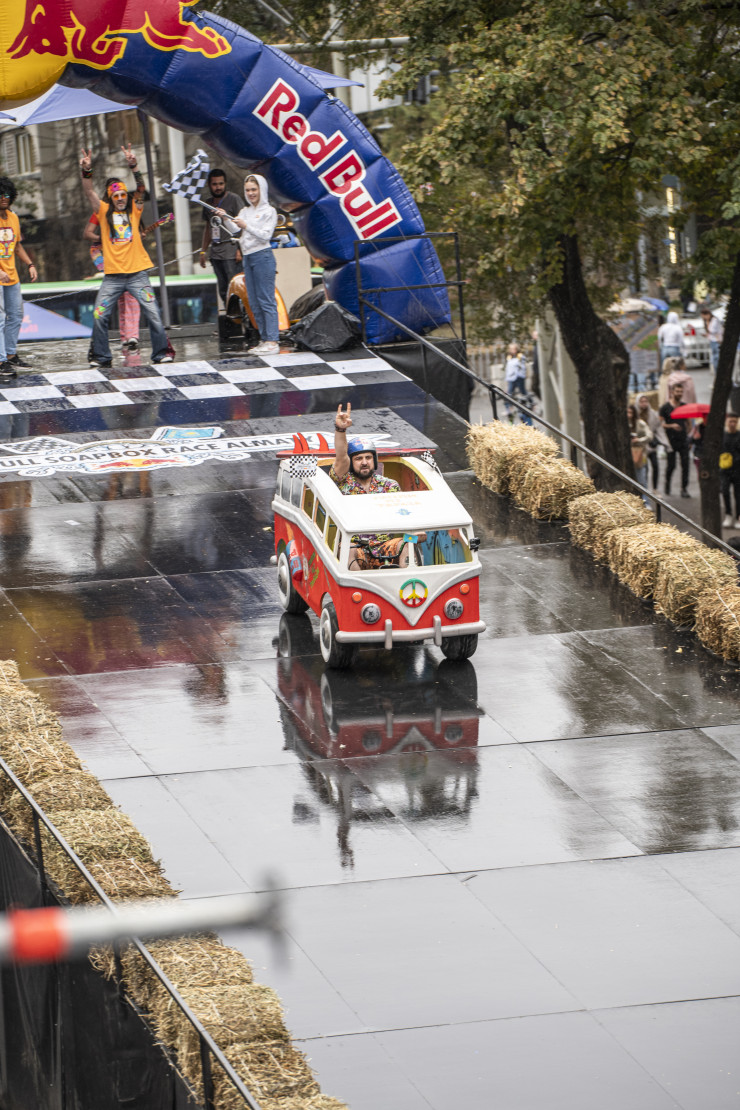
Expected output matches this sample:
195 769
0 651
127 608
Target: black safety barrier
49 1052
430 372
577 450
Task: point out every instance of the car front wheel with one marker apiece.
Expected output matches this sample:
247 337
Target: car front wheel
457 648
334 654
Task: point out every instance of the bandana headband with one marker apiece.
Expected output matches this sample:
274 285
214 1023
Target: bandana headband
116 187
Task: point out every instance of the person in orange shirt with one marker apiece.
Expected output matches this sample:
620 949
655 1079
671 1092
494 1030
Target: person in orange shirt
125 260
128 308
11 301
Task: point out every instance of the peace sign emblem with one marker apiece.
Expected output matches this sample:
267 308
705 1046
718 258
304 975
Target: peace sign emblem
413 593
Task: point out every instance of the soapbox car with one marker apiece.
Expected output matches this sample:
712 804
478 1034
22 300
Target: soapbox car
318 530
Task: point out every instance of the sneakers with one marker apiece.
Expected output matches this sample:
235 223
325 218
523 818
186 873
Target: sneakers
161 359
267 348
7 371
727 522
685 493
17 361
101 363
130 345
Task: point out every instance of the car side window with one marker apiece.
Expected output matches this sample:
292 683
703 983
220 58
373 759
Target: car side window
285 485
320 516
297 492
331 535
308 502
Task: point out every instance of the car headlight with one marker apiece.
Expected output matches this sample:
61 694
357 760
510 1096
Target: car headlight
370 613
453 608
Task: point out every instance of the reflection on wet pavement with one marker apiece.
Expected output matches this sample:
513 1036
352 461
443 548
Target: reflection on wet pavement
512 881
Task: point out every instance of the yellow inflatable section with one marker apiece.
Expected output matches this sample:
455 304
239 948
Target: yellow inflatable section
23 78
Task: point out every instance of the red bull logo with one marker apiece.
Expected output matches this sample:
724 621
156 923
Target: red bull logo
97 34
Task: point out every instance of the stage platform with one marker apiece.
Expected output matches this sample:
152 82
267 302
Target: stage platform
510 883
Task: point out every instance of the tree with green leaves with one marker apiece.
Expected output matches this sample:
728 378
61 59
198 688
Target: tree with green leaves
555 118
558 116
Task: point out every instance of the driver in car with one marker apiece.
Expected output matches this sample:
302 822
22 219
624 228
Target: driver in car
354 471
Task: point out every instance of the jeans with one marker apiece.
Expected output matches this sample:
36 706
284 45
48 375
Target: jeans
259 278
11 318
730 480
519 385
224 269
670 351
139 287
671 466
713 355
654 467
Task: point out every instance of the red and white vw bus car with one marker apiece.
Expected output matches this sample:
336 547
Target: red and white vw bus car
434 597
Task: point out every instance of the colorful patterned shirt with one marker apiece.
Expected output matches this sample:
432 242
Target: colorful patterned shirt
350 485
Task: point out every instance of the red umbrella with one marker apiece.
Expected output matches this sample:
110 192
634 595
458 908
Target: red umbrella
686 412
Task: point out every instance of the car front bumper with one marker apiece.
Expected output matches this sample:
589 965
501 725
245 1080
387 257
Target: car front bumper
390 635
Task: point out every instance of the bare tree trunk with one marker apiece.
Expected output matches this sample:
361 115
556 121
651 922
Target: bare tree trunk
602 364
709 485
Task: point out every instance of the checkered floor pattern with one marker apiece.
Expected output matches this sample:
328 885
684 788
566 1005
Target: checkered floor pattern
298 371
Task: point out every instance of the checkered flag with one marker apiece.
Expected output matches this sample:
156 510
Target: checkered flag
303 466
429 459
191 181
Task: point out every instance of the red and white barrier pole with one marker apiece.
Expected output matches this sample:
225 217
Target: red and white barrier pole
58 933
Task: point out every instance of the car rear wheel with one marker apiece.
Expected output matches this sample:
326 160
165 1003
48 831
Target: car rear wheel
457 648
334 654
290 599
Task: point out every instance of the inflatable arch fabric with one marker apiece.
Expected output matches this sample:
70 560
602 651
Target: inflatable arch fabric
254 105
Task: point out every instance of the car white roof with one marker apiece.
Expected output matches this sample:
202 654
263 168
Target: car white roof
436 507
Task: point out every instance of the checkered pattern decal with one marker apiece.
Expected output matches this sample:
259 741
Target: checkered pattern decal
139 383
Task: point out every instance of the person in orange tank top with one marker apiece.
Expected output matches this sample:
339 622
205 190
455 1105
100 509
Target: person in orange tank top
125 260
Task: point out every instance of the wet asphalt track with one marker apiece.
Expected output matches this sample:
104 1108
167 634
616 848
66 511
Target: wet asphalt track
511 884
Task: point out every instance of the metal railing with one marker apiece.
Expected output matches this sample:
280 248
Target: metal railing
457 284
576 446
208 1048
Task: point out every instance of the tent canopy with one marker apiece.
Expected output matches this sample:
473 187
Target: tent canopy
40 323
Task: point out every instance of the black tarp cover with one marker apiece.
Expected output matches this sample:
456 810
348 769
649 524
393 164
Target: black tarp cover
68 1040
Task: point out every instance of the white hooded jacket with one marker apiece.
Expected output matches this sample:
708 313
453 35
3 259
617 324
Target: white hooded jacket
670 334
260 220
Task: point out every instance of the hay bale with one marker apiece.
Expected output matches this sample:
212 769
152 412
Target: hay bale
684 575
231 1015
634 554
58 792
543 485
718 621
591 518
201 962
95 836
494 448
123 880
35 758
277 1074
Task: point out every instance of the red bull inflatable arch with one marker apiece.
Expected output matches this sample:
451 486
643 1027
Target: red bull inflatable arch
255 106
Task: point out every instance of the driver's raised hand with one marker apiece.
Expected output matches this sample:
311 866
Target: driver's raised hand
343 420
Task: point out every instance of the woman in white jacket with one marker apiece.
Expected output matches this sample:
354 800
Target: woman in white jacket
670 338
257 222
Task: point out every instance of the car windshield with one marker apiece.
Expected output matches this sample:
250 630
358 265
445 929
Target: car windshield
438 547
